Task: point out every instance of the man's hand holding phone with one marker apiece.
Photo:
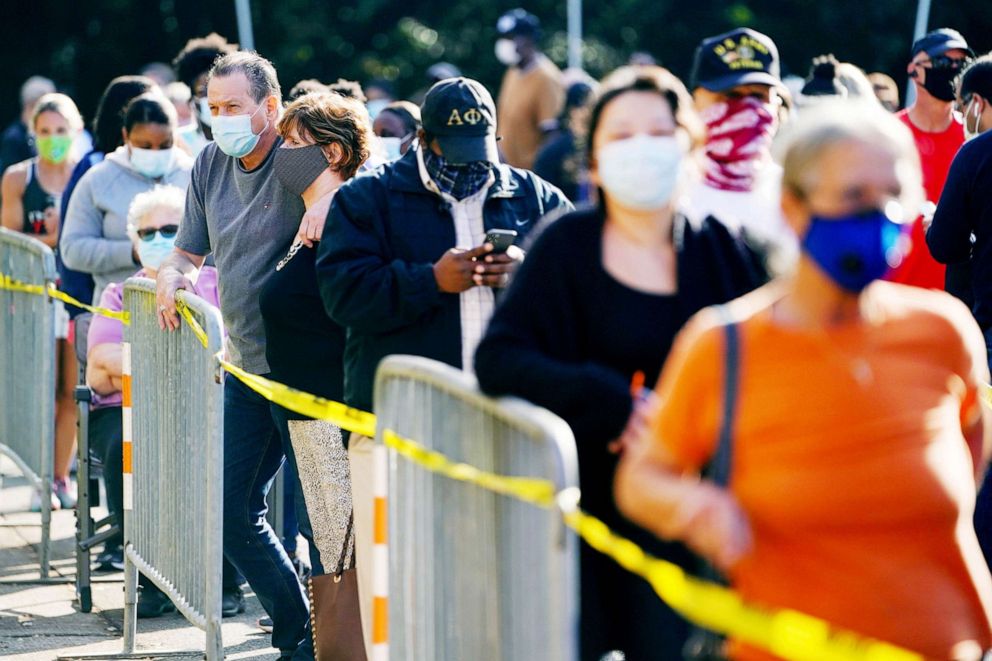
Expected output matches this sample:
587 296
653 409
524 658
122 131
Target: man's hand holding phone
496 267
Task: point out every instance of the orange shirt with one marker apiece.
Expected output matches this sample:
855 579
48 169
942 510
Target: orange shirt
850 462
527 99
936 151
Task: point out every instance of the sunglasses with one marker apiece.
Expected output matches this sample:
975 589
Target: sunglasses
944 62
167 232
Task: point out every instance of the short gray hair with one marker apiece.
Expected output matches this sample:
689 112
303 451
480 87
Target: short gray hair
167 197
34 88
825 124
259 71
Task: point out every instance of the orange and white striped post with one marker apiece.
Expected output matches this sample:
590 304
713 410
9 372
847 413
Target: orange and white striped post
380 556
128 432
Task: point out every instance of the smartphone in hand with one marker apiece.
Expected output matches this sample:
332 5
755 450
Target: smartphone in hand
501 239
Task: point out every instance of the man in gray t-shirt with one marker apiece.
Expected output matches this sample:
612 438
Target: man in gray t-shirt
247 219
238 211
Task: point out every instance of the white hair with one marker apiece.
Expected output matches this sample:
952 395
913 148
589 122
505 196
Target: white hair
167 197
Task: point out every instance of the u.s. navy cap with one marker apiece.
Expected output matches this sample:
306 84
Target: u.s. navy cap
460 113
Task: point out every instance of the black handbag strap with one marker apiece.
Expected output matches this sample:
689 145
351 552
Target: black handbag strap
718 470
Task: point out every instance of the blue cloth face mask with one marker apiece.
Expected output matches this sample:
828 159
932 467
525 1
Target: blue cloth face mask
233 133
857 249
154 251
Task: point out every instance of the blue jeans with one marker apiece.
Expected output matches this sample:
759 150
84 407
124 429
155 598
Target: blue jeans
253 453
305 650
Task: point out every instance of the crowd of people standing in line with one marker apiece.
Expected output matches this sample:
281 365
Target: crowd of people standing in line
690 276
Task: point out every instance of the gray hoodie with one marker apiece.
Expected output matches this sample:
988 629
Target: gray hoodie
94 232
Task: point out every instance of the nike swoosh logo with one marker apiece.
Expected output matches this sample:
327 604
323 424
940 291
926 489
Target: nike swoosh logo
522 222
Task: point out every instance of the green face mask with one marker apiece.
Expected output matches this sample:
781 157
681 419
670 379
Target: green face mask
54 148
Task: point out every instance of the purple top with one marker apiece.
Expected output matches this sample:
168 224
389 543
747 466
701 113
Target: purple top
110 331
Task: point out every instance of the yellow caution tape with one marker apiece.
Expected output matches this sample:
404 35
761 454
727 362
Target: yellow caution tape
194 325
785 633
345 417
532 490
120 315
10 284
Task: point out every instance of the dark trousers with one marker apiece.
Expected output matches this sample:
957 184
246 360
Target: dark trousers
253 454
106 432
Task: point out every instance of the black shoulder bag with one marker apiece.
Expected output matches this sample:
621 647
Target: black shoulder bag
703 644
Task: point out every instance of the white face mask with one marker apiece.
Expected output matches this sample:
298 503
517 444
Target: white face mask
970 134
506 52
393 147
203 111
152 163
640 172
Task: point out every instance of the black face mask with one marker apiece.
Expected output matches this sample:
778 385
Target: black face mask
939 80
297 168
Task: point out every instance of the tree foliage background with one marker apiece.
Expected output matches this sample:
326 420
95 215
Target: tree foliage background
82 45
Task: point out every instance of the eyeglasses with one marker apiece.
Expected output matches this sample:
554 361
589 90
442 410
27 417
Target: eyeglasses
148 233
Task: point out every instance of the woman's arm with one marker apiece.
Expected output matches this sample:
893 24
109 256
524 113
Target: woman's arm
84 247
104 368
651 492
12 206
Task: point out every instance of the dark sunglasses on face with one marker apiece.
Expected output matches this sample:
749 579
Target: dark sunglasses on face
942 62
167 232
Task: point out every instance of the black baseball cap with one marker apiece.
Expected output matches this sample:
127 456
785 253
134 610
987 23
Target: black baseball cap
460 113
939 42
739 57
518 21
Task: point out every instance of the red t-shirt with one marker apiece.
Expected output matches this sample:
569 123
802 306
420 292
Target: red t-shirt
936 151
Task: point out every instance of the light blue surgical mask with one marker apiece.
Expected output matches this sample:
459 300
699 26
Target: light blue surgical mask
152 163
190 134
203 111
375 106
393 147
233 133
154 251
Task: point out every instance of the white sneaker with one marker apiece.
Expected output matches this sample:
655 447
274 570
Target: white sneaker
65 492
36 502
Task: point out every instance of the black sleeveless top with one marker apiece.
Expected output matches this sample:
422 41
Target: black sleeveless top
36 201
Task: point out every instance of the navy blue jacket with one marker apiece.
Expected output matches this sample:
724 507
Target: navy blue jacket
375 264
965 211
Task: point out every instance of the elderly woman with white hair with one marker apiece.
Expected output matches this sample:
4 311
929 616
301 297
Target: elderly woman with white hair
152 223
835 419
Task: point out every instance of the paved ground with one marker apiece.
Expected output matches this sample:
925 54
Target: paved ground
43 622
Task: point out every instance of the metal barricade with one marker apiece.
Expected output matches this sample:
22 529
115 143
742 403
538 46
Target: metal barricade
173 461
27 370
472 574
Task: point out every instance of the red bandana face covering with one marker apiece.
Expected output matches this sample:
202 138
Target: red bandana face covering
739 138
